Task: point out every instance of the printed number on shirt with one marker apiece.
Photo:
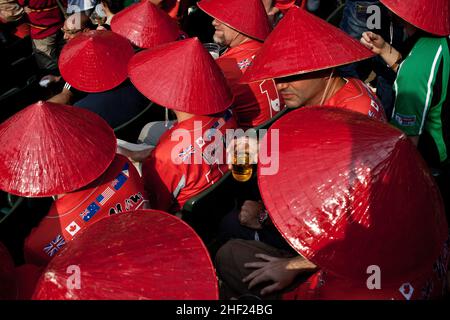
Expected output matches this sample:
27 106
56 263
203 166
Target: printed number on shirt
268 87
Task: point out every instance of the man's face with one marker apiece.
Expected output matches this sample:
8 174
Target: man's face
72 27
224 35
300 90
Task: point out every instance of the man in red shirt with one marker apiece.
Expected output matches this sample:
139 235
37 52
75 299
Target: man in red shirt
301 54
46 19
242 29
190 156
72 158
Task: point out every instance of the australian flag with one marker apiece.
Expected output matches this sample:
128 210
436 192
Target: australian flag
90 211
54 246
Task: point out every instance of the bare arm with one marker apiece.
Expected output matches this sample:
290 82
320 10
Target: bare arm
378 45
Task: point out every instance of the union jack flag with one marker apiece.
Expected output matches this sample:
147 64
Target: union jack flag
244 64
184 154
54 246
105 196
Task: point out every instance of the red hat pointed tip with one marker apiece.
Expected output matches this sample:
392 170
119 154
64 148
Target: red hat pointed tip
95 61
176 86
49 149
303 43
145 25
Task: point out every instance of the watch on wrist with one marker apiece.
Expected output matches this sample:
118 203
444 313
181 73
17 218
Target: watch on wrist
263 215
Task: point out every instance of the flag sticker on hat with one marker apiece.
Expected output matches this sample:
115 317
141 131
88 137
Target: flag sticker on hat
406 290
120 180
105 196
54 246
125 170
90 211
73 228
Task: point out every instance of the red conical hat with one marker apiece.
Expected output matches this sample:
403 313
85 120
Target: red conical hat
182 76
145 254
303 43
351 192
49 149
432 16
145 25
95 61
248 17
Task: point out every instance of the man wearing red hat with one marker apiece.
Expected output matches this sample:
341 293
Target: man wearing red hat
301 54
422 105
94 65
189 157
242 29
303 62
358 232
76 163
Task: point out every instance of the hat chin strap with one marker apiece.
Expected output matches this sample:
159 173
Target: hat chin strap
325 93
166 123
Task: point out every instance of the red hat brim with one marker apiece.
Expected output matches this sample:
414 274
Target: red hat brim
249 17
145 25
181 76
145 254
342 195
95 61
49 149
303 43
432 16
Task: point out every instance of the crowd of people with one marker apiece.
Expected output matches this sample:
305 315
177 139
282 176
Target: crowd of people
354 113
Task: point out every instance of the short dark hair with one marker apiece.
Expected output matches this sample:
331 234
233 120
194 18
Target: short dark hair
114 5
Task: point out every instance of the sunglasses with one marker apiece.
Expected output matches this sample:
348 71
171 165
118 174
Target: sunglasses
71 32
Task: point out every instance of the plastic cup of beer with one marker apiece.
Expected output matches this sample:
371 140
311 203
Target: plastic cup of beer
241 169
213 49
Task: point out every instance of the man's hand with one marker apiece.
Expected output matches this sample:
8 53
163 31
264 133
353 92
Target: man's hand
374 42
249 214
281 271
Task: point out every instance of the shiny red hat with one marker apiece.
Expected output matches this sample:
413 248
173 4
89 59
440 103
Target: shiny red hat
49 149
303 43
432 16
145 25
95 61
351 192
145 254
248 17
8 289
182 76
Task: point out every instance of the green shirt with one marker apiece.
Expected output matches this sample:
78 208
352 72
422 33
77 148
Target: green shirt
422 101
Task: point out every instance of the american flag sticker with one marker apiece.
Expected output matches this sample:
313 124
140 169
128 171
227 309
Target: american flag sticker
54 246
105 196
73 228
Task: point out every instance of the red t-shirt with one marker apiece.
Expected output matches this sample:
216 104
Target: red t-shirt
45 17
356 96
254 103
178 170
119 189
325 286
